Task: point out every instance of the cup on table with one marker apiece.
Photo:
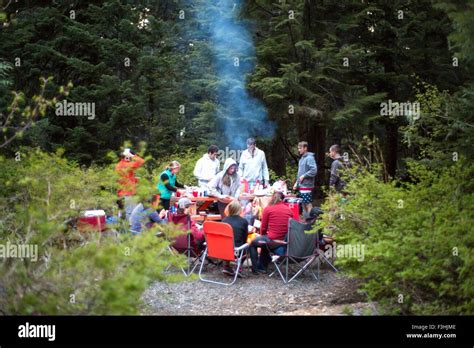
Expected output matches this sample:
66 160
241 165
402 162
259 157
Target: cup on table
178 194
195 193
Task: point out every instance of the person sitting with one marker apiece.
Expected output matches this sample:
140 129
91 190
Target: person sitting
274 227
240 227
183 219
144 216
225 185
310 220
167 183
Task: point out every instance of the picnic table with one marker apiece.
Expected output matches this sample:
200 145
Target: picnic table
206 201
201 204
206 217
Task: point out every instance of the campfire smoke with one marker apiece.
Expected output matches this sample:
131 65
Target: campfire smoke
239 114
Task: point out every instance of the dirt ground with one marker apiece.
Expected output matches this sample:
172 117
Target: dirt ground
334 294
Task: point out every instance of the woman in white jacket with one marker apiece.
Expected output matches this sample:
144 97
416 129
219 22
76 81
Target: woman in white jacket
226 185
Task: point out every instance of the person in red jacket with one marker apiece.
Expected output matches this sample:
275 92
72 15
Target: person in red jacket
274 227
127 181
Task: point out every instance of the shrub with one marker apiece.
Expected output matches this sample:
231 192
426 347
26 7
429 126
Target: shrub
76 272
418 238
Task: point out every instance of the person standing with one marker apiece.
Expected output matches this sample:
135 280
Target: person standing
307 170
127 181
167 183
207 166
253 165
225 185
339 163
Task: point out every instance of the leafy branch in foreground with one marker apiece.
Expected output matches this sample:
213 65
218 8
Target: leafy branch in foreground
22 113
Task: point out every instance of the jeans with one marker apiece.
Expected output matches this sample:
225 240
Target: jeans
264 259
129 206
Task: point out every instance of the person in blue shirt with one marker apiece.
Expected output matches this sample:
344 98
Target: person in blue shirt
144 216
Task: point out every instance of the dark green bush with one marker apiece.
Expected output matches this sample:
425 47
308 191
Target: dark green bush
418 238
76 272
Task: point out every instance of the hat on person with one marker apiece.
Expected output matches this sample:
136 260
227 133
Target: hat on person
313 213
184 203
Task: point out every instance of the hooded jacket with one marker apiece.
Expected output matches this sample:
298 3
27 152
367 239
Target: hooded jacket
217 187
307 167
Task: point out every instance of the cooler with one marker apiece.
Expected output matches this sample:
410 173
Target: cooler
294 205
93 220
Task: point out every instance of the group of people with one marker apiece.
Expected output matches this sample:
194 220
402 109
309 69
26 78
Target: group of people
225 185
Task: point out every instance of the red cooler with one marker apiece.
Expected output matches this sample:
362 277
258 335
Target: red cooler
294 205
93 220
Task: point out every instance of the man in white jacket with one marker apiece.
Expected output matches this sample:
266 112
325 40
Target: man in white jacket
207 166
253 164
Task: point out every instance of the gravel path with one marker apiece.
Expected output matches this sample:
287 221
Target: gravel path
257 295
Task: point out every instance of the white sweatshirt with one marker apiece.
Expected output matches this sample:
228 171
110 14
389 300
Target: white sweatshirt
253 168
206 169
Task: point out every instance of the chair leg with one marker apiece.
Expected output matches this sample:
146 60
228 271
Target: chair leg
303 269
327 261
174 253
319 266
239 262
277 269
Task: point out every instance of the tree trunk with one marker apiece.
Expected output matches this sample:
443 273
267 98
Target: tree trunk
317 144
391 148
278 153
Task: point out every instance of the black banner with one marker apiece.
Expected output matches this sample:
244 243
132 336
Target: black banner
61 330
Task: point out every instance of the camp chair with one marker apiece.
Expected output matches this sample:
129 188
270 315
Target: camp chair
220 245
193 255
302 250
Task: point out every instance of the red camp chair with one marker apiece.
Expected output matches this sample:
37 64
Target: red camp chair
188 248
220 245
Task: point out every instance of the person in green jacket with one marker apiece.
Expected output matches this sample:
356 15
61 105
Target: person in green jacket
167 183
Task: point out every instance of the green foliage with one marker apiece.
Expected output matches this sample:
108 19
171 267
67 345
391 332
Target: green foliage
462 37
5 69
418 238
76 272
22 112
289 177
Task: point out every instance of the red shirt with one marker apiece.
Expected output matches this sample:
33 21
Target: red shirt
126 171
275 221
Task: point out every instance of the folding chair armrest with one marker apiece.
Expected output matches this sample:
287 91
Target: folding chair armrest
242 247
273 244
